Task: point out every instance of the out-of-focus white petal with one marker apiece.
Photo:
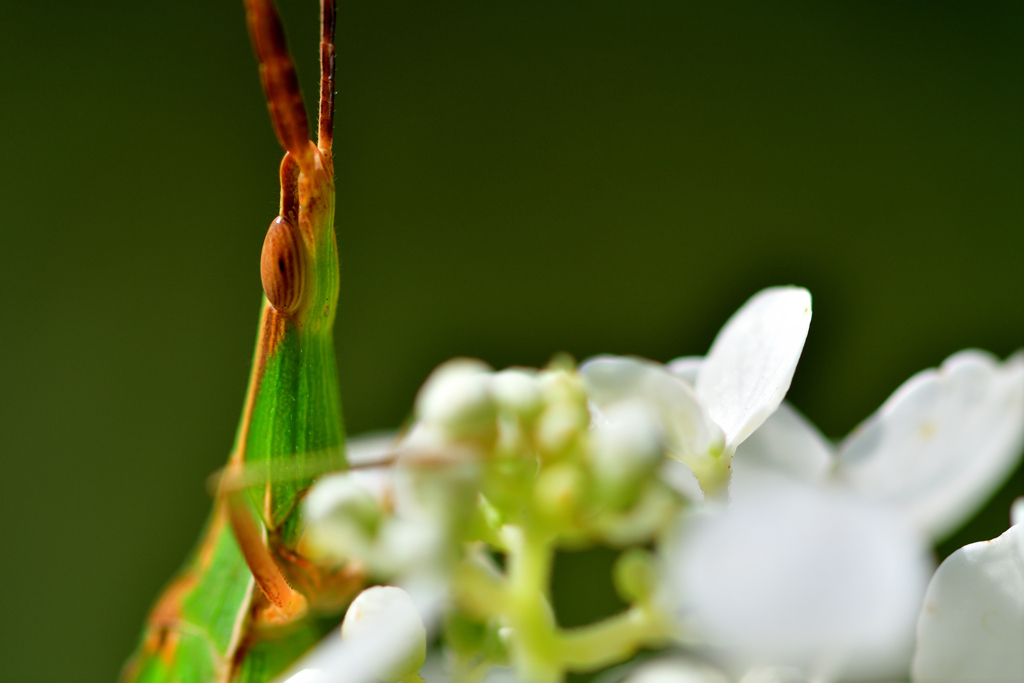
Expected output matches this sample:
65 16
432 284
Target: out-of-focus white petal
611 379
368 449
786 443
675 670
1017 511
802 576
940 445
971 628
342 494
750 365
682 480
774 674
686 368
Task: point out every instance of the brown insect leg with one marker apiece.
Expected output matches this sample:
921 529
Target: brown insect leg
280 84
290 189
325 132
289 603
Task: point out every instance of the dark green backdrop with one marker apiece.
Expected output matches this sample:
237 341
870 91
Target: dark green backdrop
514 180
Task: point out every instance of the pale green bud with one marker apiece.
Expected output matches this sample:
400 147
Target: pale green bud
561 386
559 427
558 491
635 575
565 417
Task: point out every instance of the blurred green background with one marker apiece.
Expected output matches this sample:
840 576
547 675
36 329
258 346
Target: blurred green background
513 180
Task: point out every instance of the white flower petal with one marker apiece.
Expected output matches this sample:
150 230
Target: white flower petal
611 379
750 365
940 445
1017 511
971 628
774 674
675 670
682 480
686 368
797 575
786 443
367 449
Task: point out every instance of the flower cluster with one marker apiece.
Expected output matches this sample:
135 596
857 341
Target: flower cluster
753 548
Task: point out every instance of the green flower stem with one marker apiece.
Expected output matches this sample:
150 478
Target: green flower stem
535 647
480 591
612 640
541 651
713 472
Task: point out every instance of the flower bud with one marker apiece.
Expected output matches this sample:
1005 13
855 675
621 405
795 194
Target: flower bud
344 511
386 617
565 416
627 447
457 399
635 575
517 392
558 491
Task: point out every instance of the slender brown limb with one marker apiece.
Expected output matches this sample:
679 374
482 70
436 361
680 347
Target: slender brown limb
325 132
290 189
280 84
289 602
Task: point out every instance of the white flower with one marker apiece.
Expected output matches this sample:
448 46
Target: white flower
941 444
793 574
971 628
741 382
815 548
934 451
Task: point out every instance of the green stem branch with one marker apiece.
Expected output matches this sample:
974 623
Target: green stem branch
530 614
612 640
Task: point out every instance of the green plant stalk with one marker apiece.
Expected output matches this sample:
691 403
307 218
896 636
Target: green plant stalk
529 613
